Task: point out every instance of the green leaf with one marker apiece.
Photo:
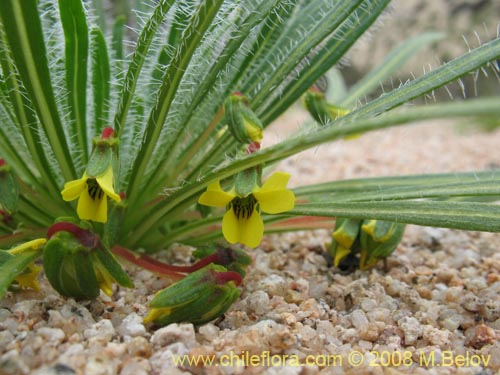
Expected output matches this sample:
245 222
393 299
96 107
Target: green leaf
13 265
28 126
76 35
101 77
480 187
382 183
328 54
434 79
24 34
242 27
138 58
200 21
394 60
113 267
457 215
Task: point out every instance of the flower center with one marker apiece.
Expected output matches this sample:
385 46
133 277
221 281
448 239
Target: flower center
94 189
243 207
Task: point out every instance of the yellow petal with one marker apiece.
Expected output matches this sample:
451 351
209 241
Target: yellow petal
33 244
253 230
90 209
106 183
340 254
253 131
249 231
156 313
104 279
277 181
273 197
275 202
28 278
73 189
215 196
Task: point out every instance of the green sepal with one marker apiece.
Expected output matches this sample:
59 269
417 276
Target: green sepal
12 266
242 122
346 231
9 190
69 268
100 160
246 181
379 230
114 268
389 235
113 225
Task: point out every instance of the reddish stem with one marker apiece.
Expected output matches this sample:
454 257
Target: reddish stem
153 265
85 237
147 262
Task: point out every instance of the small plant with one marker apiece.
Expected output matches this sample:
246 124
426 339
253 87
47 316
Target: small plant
115 149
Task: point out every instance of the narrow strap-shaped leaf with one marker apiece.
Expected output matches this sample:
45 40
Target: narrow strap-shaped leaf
98 6
117 45
101 77
12 265
267 37
330 22
459 189
134 69
457 215
27 125
244 27
439 77
394 60
379 183
76 36
24 34
200 21
329 54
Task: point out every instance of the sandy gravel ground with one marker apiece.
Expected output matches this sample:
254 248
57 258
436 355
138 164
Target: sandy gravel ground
435 311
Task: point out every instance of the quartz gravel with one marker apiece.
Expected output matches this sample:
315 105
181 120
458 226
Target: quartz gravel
440 293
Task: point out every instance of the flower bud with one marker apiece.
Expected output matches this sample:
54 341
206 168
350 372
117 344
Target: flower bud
77 265
9 189
198 298
320 110
243 123
343 237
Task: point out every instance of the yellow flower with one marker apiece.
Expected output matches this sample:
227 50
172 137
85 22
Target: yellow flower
92 193
242 222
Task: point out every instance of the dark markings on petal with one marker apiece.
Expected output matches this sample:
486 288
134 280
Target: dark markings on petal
243 207
94 189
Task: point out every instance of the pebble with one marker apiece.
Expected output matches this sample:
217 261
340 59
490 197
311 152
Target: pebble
132 326
53 335
411 328
173 333
102 331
